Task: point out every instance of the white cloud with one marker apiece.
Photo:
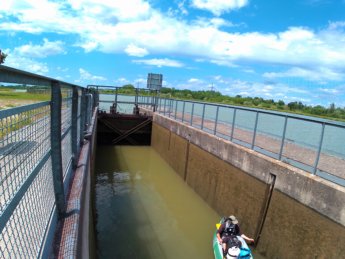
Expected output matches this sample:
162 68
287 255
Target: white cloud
219 79
62 69
225 63
108 10
133 50
181 6
86 76
337 25
25 63
335 90
195 81
217 7
122 81
41 51
115 27
165 62
141 82
261 89
317 75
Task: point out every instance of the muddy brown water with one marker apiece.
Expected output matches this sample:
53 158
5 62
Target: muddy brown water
145 210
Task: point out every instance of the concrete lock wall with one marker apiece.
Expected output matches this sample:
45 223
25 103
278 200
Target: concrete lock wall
291 213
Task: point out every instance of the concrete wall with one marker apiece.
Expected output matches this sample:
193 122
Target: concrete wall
305 216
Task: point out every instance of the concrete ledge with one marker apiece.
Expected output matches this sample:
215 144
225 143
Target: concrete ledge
312 191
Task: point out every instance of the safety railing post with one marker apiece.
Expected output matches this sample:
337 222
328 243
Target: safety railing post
283 139
203 116
191 115
176 109
156 100
96 98
319 148
159 107
74 128
89 106
56 156
82 114
152 103
233 125
165 103
216 122
255 129
184 106
170 107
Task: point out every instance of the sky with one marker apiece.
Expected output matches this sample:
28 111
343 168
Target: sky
282 50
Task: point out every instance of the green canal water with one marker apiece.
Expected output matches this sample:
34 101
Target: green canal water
145 210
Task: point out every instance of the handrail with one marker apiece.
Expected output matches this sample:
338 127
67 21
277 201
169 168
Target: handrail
13 75
39 148
263 111
294 139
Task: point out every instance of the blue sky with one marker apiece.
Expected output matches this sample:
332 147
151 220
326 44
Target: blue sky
282 50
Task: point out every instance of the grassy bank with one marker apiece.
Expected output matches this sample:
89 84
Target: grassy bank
10 98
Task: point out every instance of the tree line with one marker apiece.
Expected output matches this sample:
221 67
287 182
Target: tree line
331 112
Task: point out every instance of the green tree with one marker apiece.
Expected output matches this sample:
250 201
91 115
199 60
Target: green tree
281 103
2 57
331 108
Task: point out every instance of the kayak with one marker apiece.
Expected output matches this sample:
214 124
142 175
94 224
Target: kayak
242 251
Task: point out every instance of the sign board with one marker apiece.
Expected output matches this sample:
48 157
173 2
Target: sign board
154 81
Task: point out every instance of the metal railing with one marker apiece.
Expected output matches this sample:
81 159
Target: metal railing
39 147
312 144
111 99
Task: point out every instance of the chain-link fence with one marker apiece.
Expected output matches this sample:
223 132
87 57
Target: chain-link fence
39 146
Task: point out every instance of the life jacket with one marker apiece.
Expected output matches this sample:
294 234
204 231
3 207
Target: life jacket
230 228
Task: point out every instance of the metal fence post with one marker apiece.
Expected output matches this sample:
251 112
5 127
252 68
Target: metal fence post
152 102
171 107
74 128
202 117
255 128
283 139
216 122
165 101
89 99
82 114
56 156
156 100
233 124
319 149
191 116
184 106
176 109
96 94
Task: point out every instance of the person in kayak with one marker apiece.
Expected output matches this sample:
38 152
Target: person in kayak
229 229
